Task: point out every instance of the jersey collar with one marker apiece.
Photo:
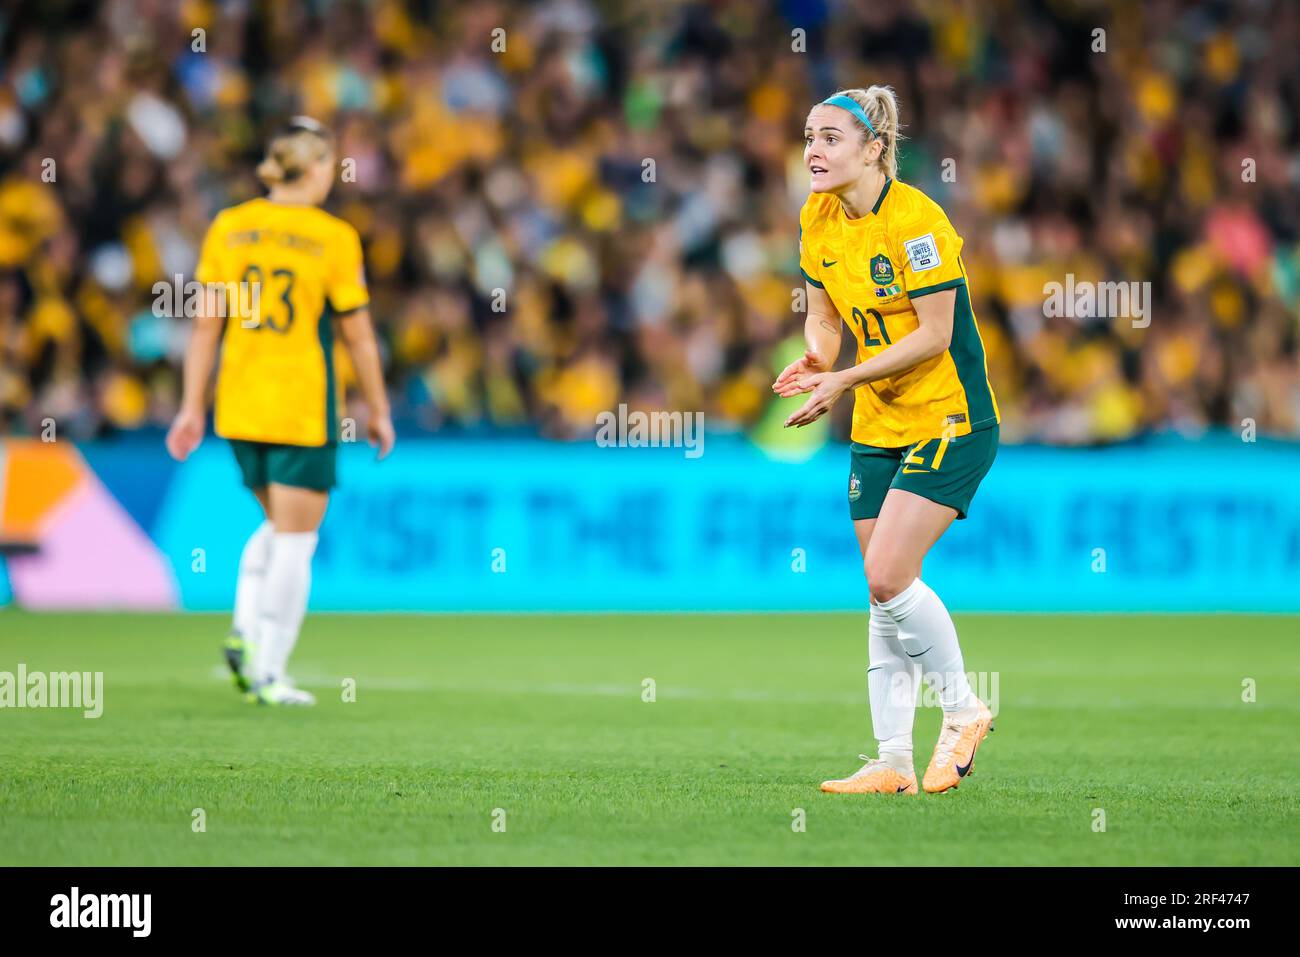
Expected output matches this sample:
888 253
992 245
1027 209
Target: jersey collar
884 191
862 221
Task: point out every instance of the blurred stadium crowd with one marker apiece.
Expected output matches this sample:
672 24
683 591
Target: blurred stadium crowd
1171 157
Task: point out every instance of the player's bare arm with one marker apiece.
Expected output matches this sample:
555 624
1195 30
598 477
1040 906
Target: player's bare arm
358 334
186 430
821 331
931 337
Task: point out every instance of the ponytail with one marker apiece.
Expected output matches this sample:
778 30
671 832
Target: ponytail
293 150
881 107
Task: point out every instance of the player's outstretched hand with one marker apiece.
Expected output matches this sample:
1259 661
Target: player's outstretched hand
826 388
381 434
185 434
810 363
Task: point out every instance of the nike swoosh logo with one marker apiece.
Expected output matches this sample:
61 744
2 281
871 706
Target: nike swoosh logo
919 653
961 772
877 668
826 264
901 789
907 471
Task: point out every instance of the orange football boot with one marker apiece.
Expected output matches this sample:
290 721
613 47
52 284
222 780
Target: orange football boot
955 752
875 777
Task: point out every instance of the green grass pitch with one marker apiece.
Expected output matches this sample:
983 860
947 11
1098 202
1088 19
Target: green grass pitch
542 716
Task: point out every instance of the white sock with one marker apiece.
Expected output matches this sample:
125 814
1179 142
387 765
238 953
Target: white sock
891 682
252 573
284 601
928 636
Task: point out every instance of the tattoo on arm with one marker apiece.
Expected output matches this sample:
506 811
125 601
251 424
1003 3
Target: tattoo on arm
830 326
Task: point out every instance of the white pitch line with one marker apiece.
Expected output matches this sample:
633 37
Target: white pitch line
756 695
318 680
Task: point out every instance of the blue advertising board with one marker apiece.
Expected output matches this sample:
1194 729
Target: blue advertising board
523 525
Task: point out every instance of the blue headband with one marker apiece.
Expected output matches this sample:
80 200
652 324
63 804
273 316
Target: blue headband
850 104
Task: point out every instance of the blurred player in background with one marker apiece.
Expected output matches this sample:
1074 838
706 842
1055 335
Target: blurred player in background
276 393
882 257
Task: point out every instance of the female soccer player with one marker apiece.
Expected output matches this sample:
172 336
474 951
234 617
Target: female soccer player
882 256
276 393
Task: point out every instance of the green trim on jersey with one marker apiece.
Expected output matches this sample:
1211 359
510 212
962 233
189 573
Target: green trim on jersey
810 279
884 191
968 356
937 287
325 332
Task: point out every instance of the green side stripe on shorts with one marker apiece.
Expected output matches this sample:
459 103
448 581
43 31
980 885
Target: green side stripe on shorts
968 356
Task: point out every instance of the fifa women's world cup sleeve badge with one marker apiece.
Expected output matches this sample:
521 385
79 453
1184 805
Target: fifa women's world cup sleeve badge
882 274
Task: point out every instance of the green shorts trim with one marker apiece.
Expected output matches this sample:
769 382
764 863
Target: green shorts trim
948 472
300 466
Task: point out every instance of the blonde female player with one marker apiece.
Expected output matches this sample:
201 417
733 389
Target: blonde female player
276 395
882 257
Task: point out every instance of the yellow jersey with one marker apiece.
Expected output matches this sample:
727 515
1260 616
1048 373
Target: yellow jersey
872 268
276 379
